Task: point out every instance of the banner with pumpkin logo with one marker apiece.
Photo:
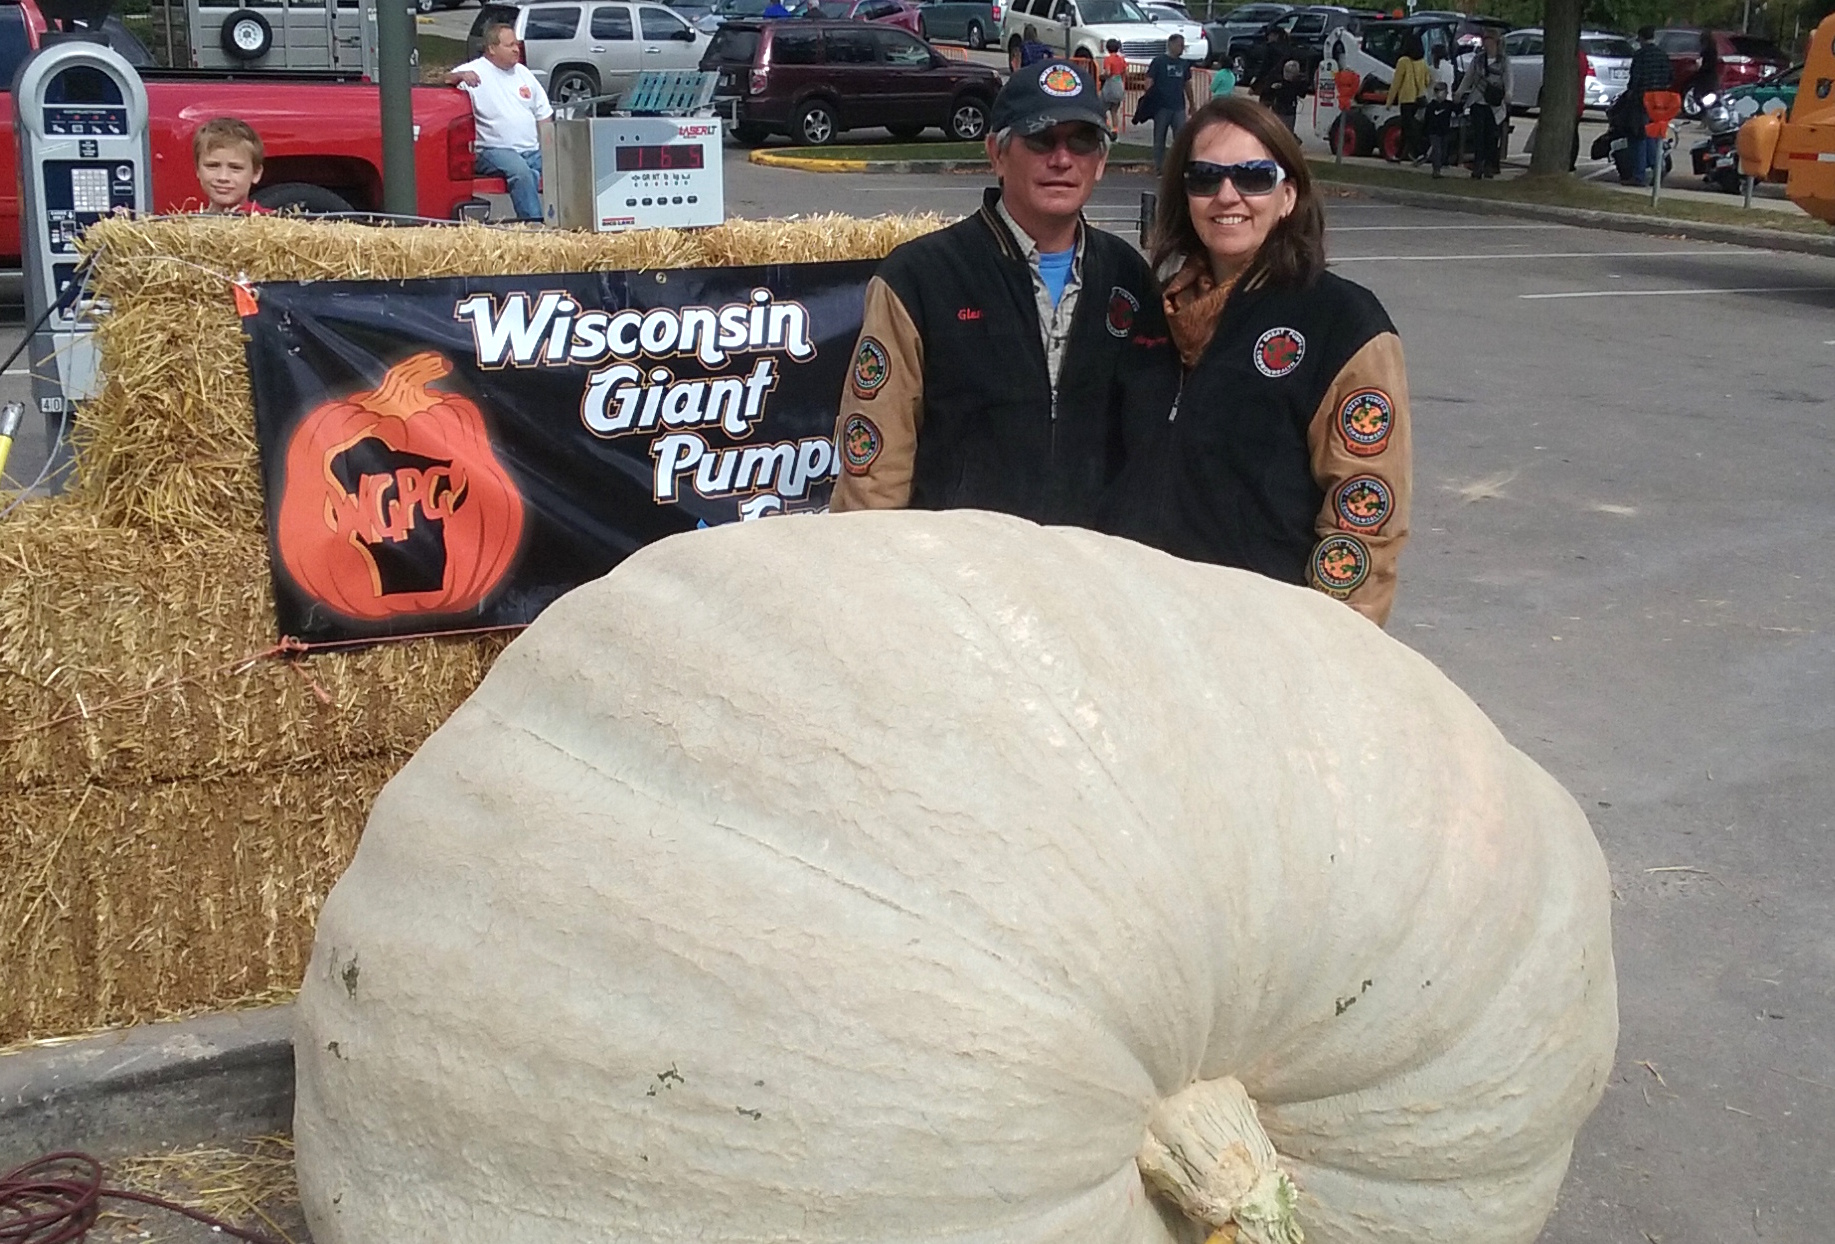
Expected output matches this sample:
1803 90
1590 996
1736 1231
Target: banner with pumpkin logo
448 454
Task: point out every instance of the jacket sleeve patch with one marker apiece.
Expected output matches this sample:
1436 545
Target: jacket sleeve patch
1340 565
872 368
1365 420
860 444
1363 503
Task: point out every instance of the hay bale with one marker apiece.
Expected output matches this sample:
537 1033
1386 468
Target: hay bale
177 795
141 902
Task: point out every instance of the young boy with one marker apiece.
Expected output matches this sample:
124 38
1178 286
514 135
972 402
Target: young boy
1438 120
229 157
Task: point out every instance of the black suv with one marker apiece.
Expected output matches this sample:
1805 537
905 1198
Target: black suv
814 79
1307 27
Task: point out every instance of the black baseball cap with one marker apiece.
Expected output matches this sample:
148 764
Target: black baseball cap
1046 94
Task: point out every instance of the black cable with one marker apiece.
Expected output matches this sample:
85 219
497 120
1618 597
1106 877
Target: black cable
56 1200
61 302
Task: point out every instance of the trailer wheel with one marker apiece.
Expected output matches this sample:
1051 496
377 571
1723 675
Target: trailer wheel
247 35
304 198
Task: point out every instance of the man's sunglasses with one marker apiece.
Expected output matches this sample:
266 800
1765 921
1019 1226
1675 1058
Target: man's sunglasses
1251 177
1080 141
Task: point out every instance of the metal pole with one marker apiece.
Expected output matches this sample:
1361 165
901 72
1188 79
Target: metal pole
1745 189
1656 175
395 74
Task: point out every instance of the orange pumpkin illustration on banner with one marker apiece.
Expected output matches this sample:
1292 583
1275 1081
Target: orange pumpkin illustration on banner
393 502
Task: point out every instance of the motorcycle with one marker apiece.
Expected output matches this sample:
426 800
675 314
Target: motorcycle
1716 158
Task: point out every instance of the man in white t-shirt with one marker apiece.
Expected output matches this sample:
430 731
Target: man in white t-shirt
507 102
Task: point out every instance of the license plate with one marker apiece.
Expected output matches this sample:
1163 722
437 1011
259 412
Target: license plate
1618 75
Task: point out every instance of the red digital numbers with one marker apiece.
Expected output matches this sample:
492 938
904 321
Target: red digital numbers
660 158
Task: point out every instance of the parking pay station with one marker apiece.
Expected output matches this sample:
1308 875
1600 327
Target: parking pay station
608 174
81 118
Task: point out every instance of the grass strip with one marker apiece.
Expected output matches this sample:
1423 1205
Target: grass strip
1567 192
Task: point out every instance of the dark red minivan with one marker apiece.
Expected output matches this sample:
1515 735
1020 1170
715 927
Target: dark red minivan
814 79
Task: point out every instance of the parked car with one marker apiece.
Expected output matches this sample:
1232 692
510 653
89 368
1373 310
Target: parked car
1307 28
1244 22
1084 27
1174 19
1607 58
974 22
900 13
725 10
579 50
1743 58
814 79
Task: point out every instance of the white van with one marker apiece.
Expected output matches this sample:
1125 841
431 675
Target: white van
577 51
1084 28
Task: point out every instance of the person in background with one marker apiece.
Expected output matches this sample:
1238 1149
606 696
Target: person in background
229 157
1168 99
1439 120
1484 93
1223 82
507 101
1650 71
1283 90
1288 451
1408 92
1706 80
1114 84
1000 359
1031 51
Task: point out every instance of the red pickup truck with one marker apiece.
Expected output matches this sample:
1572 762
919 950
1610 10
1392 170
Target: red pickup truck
323 135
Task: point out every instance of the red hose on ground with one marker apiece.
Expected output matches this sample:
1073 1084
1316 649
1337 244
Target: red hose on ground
55 1200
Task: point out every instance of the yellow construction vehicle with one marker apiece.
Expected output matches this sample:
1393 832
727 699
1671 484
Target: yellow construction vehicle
1800 151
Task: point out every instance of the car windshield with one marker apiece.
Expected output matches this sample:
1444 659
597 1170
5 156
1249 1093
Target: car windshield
1106 12
732 47
741 8
1608 46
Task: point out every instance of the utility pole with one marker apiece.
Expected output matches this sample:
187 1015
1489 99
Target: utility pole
395 74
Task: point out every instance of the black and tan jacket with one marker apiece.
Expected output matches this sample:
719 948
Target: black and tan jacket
1288 451
949 401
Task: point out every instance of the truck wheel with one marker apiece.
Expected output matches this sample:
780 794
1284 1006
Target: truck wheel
247 35
1389 141
424 6
1239 65
977 37
815 125
304 198
571 85
968 119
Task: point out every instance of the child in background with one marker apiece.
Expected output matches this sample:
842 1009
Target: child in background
1223 82
1438 121
1114 83
1031 51
229 158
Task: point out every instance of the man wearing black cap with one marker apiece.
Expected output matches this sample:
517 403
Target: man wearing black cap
999 356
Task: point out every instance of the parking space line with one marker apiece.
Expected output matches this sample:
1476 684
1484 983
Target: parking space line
1435 258
1671 293
1435 228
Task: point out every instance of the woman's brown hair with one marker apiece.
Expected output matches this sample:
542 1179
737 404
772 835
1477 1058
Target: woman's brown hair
1294 251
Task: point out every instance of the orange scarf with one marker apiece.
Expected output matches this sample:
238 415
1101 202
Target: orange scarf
1193 302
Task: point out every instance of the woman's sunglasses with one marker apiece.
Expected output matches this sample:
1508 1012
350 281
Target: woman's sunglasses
1079 140
1251 177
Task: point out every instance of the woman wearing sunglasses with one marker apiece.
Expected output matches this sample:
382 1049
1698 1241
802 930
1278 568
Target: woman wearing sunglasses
1287 452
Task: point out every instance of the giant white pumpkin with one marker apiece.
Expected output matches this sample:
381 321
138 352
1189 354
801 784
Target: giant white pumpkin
895 877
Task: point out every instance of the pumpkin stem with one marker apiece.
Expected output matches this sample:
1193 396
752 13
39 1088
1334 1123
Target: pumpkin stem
1205 1151
404 386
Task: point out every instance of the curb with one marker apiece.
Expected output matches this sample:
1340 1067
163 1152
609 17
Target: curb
815 164
1623 222
150 1087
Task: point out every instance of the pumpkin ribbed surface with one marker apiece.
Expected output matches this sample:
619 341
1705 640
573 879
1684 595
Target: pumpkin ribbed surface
927 877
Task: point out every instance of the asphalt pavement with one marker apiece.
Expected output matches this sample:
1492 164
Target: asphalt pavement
1623 489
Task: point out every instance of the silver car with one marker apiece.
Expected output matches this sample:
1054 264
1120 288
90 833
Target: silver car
580 50
1608 59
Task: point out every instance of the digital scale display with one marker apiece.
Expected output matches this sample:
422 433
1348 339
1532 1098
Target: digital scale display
658 157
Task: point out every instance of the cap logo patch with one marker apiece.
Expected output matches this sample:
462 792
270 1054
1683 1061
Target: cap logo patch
1122 306
872 365
1278 351
1061 81
1365 421
1340 565
860 444
1363 503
